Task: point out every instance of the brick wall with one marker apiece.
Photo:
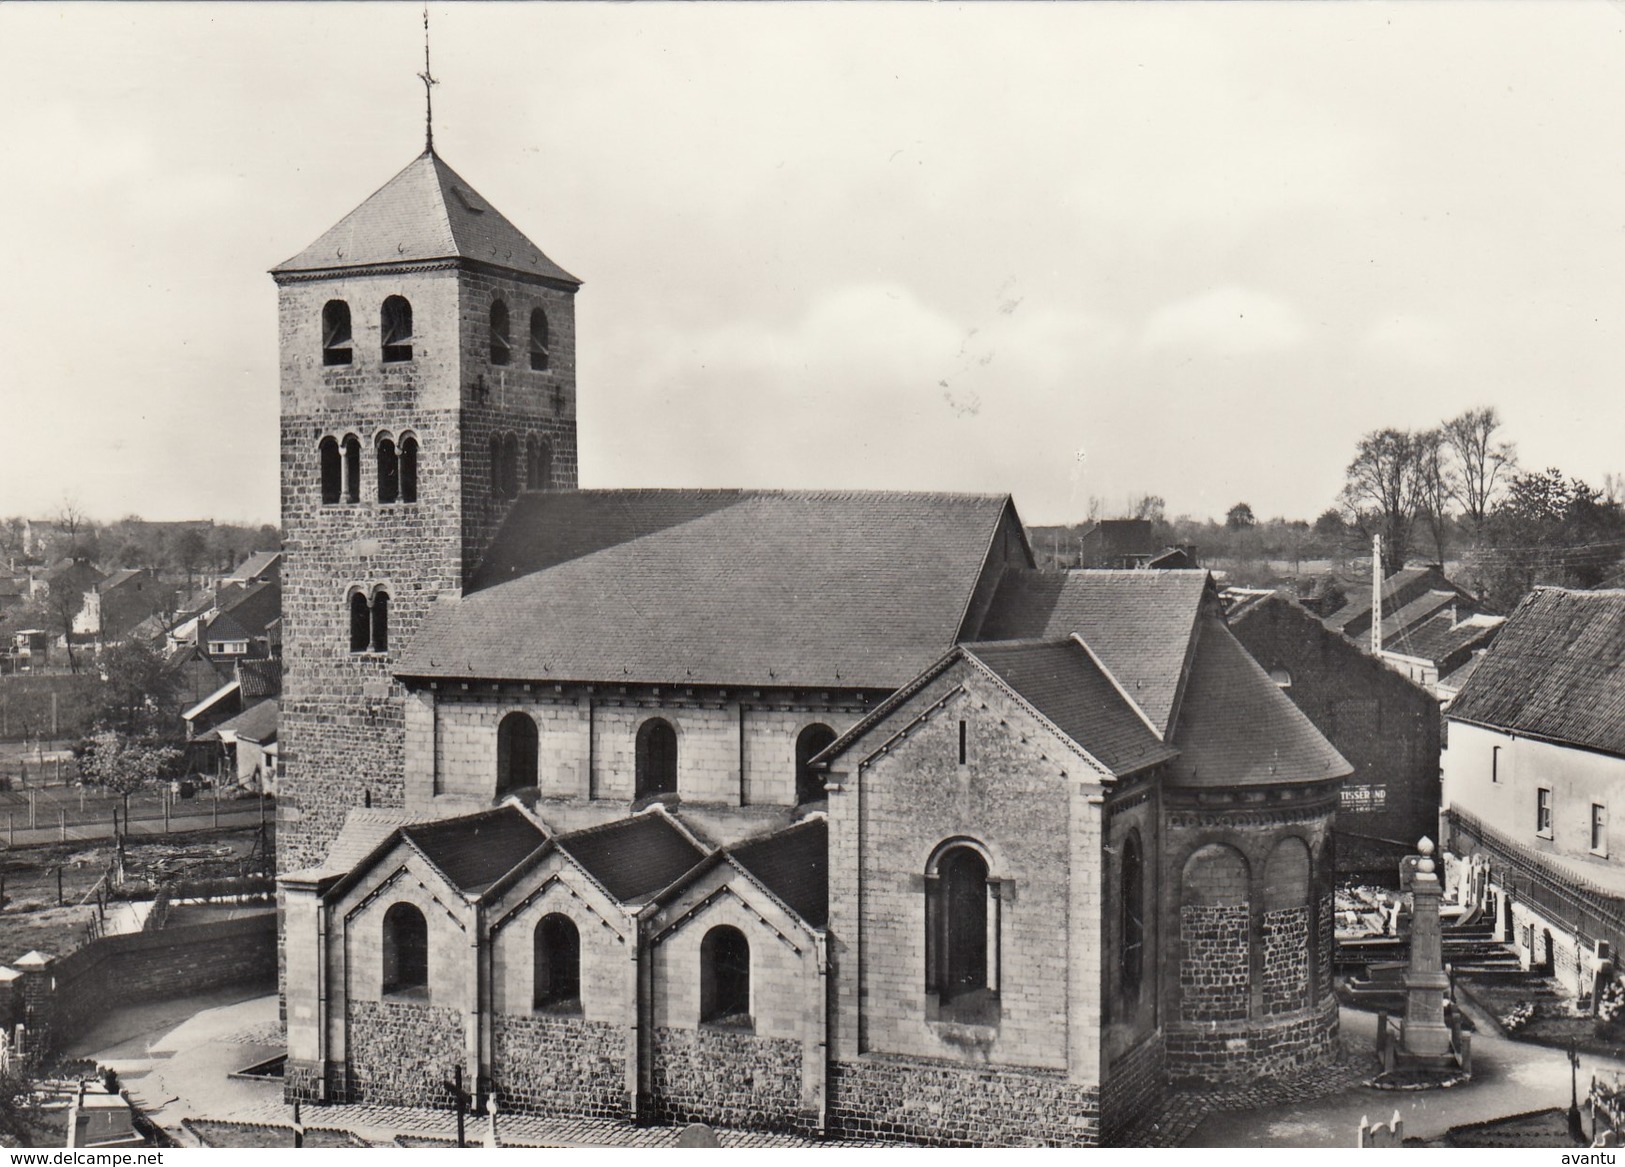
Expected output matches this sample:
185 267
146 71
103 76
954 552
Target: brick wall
1240 1053
961 1106
401 1053
560 1065
728 1078
75 991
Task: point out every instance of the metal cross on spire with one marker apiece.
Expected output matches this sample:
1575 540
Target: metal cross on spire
429 81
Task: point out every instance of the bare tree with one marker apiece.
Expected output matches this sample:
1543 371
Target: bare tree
1386 490
1483 465
1437 485
1148 506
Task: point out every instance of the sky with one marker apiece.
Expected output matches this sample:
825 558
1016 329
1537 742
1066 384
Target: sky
1069 251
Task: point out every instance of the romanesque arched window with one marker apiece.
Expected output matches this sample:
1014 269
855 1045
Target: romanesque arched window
380 621
539 352
656 761
332 471
811 742
540 472
557 950
389 470
725 976
1131 914
352 468
396 322
360 623
516 752
496 465
962 914
409 468
336 343
510 466
1288 928
499 333
406 950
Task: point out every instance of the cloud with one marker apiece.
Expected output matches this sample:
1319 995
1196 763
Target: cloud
1226 322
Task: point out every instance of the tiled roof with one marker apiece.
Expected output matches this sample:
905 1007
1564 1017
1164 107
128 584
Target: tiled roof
364 829
1236 727
247 612
793 864
476 850
257 723
1440 637
427 211
1555 671
850 590
1061 682
118 578
1137 622
633 858
1424 607
260 678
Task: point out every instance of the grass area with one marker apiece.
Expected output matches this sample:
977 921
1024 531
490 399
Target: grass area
1555 1022
57 931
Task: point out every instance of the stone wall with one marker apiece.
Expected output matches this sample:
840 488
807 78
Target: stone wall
727 1077
1133 1085
560 1065
1241 1052
1286 960
961 1106
401 1053
1214 980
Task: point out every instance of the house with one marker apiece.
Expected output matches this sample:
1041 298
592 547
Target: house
241 624
114 607
249 742
1535 771
262 566
1117 543
809 810
1385 724
1431 626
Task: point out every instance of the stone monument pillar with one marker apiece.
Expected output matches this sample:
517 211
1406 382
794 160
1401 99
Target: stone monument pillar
1424 1033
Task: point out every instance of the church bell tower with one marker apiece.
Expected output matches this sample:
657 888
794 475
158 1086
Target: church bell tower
428 378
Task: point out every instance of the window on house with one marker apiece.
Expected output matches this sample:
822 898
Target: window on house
510 466
962 742
360 623
538 464
336 343
656 760
1495 763
1599 828
1131 960
499 333
811 742
725 977
352 469
406 950
538 339
557 964
380 621
516 752
1281 677
332 471
389 471
1543 812
396 320
409 469
962 930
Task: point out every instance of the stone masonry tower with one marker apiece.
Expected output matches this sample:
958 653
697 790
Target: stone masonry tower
428 377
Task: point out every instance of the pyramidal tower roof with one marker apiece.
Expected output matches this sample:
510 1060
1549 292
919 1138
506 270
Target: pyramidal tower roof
426 212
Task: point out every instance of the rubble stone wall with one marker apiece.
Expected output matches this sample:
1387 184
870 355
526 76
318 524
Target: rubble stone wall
962 1106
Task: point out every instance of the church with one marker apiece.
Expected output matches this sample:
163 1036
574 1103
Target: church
819 811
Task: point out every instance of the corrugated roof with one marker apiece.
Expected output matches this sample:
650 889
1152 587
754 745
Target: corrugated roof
476 850
633 858
849 590
1061 682
794 865
427 211
1236 727
1137 622
1555 671
257 723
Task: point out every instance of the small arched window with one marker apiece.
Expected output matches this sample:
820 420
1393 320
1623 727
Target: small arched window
538 463
380 621
360 623
725 977
1282 677
510 466
352 469
409 469
962 909
656 758
539 357
406 950
516 752
336 343
1131 958
396 321
811 742
557 948
389 471
332 471
496 465
499 333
